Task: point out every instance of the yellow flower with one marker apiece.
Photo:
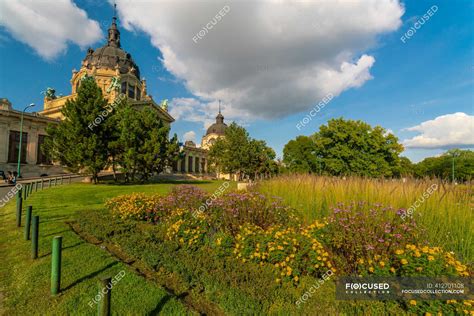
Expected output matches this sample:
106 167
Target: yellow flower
361 261
399 252
404 261
430 258
277 280
412 302
371 269
392 269
296 278
417 254
419 269
382 264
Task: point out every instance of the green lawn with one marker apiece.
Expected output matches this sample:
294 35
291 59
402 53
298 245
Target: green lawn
25 283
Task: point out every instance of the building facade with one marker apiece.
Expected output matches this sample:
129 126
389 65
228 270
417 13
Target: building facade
33 162
116 73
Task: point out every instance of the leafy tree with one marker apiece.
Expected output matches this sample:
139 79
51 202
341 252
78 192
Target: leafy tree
237 153
407 168
143 145
299 155
345 147
441 167
77 142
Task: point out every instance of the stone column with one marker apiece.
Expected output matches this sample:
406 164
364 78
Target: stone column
186 167
190 164
4 138
32 146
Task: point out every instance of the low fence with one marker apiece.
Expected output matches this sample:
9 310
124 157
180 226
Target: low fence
23 192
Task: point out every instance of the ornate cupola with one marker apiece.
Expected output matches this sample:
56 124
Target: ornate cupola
114 33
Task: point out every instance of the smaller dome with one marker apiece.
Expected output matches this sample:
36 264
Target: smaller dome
218 127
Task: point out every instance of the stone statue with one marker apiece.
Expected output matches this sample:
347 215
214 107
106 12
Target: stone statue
114 84
164 105
49 94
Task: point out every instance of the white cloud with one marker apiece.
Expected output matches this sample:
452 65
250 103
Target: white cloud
265 58
193 110
445 131
191 135
48 26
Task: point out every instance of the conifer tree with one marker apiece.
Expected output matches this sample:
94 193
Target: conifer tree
79 142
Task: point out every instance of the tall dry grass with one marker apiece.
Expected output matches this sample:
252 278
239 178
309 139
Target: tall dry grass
447 214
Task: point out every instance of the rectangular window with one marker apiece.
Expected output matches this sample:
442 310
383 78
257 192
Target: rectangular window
41 158
14 145
138 94
131 92
124 88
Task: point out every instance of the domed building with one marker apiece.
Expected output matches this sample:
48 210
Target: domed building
114 71
214 131
117 74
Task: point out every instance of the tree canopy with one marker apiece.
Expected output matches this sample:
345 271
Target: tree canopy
442 166
237 153
95 135
345 147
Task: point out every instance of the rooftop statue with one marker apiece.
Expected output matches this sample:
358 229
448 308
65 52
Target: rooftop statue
164 105
49 94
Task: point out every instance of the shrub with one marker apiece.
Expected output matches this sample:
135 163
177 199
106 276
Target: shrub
359 232
186 229
233 210
132 206
292 251
187 197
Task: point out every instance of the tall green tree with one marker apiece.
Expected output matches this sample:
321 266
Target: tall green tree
237 153
345 147
79 142
442 166
143 143
299 155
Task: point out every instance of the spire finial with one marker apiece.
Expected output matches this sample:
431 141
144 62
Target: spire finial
115 12
219 106
114 34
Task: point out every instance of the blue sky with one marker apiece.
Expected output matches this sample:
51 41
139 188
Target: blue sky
419 84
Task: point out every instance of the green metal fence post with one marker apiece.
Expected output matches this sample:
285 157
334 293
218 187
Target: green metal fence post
49 183
56 265
34 237
18 195
62 179
29 211
19 206
104 303
42 184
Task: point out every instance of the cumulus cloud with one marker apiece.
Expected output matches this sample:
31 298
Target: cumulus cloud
194 110
48 27
445 131
191 135
265 59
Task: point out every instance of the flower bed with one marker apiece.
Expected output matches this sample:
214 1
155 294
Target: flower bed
355 239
